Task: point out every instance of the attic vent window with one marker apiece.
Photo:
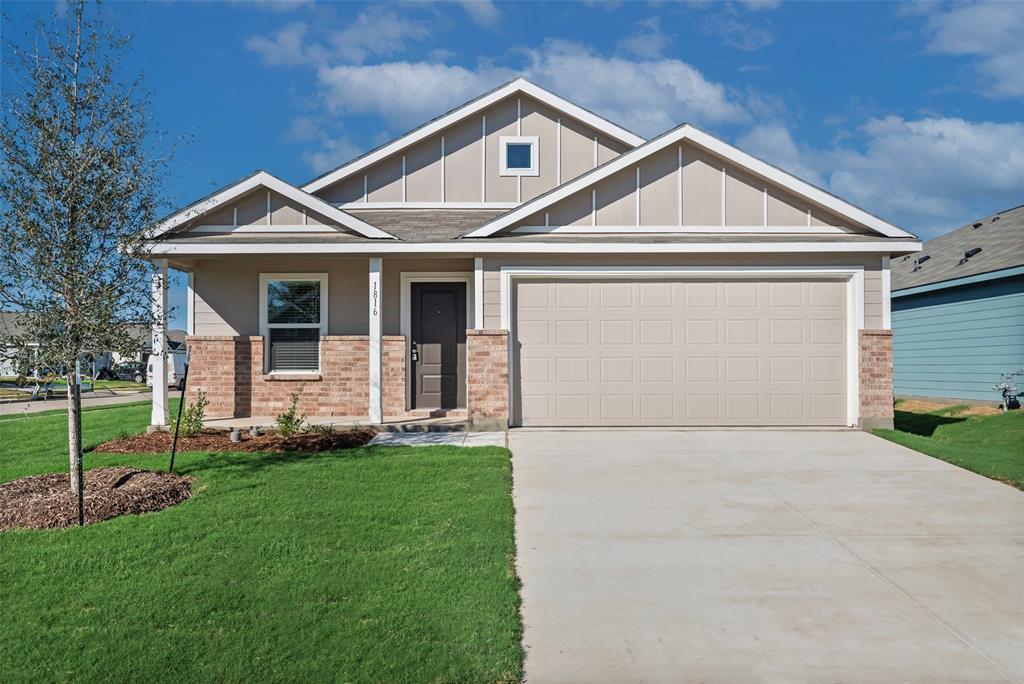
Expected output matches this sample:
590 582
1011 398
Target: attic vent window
519 155
969 253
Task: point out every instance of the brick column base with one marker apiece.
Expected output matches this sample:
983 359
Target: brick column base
876 400
487 379
392 375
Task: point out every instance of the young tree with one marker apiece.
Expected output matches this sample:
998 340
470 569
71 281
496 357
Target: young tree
78 189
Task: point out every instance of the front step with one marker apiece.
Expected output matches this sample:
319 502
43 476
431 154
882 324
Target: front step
428 425
433 413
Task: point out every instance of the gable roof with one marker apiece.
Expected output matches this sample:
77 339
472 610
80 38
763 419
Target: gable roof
519 85
1000 237
263 179
687 132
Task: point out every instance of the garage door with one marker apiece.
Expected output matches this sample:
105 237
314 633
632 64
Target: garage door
693 352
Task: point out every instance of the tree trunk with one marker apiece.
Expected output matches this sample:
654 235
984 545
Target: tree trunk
75 440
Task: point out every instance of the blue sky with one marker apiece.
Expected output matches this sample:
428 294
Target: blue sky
913 111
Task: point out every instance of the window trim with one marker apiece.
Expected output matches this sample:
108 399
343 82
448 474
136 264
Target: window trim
265 280
533 141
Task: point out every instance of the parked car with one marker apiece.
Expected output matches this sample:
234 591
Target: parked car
134 371
175 371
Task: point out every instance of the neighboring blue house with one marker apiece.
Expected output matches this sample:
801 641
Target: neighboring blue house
958 311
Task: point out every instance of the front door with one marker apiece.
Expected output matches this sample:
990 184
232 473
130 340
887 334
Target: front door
438 350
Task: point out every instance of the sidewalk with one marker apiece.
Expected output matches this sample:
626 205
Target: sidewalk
25 407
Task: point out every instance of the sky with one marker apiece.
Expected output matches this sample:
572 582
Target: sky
913 111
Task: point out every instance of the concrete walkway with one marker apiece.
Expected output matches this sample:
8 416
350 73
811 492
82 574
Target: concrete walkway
464 439
762 556
60 403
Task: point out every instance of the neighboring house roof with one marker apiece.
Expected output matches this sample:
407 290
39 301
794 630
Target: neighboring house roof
999 236
254 181
687 132
465 111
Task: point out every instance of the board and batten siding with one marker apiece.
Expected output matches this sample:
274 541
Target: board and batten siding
469 168
873 310
954 343
685 185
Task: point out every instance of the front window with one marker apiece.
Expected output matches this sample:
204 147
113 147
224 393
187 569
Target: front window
519 156
294 319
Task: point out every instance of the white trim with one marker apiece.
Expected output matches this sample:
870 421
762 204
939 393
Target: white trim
640 229
679 188
853 275
478 287
558 151
593 208
715 146
269 222
427 205
502 247
375 301
637 199
403 178
886 293
190 304
271 183
764 207
305 217
442 170
468 110
234 216
483 158
595 152
366 189
533 141
265 279
406 279
262 228
519 116
808 218
724 179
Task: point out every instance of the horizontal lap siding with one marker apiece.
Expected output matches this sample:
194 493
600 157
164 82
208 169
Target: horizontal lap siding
954 343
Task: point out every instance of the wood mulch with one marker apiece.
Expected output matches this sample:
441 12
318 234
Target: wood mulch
218 440
46 501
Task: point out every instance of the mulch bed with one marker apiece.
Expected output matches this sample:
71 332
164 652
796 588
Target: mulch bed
46 501
218 440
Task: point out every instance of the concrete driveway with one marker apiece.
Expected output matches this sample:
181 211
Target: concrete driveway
752 556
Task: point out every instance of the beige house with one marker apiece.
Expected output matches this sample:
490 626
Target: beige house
521 261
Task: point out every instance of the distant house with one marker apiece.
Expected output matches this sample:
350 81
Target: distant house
958 310
9 327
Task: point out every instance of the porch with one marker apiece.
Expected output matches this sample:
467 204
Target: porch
344 333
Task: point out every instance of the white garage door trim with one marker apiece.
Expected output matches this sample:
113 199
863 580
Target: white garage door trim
853 275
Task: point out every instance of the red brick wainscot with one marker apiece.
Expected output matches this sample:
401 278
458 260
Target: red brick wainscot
487 379
876 399
230 372
392 375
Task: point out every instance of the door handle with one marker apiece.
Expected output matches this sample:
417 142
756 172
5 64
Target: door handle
415 352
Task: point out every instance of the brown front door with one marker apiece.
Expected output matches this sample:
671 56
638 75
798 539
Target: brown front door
438 345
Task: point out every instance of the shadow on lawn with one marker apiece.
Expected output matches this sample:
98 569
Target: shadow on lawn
923 424
255 461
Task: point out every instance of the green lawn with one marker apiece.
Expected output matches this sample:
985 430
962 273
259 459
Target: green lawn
371 564
992 446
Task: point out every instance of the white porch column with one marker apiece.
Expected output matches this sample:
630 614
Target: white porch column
886 294
478 293
158 417
376 414
190 305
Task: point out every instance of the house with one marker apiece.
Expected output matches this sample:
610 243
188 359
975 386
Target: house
522 261
958 310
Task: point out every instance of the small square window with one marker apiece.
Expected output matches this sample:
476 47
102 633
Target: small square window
518 156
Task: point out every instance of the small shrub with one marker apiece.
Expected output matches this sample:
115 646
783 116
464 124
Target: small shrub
192 419
291 421
324 431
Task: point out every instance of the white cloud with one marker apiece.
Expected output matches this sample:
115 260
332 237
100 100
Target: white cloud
330 153
647 41
289 46
992 32
927 175
738 33
482 12
376 32
662 92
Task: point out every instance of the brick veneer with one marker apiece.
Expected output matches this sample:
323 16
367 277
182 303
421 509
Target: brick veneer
876 401
487 379
392 375
230 371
